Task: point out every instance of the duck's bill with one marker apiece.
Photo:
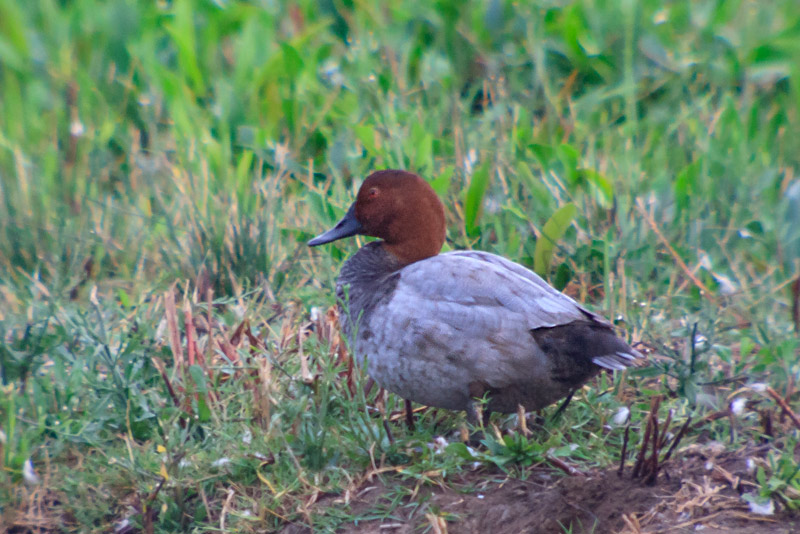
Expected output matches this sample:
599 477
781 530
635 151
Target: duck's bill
347 227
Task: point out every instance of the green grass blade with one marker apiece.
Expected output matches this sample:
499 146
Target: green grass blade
553 230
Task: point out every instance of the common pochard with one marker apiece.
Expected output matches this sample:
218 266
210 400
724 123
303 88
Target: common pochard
445 329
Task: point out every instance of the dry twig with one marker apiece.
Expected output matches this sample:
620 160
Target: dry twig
784 406
682 264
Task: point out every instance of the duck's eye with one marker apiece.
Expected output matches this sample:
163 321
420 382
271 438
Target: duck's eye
373 192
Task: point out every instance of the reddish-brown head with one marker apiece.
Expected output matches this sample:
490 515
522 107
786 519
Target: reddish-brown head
398 207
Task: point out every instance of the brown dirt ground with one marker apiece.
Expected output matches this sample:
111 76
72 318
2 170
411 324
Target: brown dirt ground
701 492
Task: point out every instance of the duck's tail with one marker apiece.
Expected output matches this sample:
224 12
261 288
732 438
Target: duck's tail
579 348
619 360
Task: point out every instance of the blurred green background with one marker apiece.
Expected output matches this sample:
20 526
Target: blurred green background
155 137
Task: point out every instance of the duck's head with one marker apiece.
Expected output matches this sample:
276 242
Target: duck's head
398 207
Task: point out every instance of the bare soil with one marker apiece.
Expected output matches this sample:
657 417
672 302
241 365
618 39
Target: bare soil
700 492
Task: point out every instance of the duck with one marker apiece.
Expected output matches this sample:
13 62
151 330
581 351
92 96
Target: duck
460 330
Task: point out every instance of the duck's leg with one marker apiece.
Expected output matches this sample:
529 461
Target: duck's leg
563 406
409 415
472 413
368 385
476 416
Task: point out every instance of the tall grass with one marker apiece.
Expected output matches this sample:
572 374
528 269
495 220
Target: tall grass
153 135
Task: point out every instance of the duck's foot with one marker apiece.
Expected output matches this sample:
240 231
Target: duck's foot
476 416
478 420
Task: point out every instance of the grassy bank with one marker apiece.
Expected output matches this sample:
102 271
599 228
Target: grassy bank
169 361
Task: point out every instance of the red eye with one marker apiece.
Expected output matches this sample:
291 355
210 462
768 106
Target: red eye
373 192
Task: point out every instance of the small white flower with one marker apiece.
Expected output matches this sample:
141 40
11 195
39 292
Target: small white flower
314 314
758 387
726 285
247 436
221 462
709 465
622 415
737 406
330 71
28 474
700 341
438 445
76 128
751 466
758 506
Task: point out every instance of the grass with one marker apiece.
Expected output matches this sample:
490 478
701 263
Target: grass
643 157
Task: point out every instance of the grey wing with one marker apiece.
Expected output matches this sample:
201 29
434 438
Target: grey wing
481 310
530 276
478 315
615 357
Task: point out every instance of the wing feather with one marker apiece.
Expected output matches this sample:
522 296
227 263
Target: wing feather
467 278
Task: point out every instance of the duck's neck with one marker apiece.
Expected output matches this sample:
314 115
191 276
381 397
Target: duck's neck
367 279
371 263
